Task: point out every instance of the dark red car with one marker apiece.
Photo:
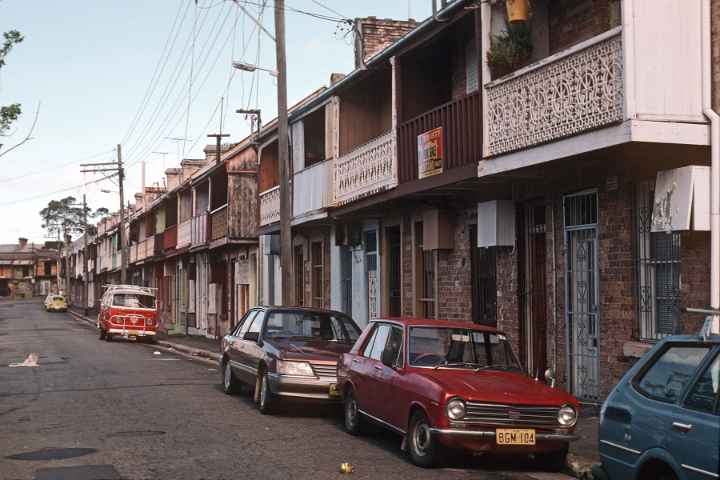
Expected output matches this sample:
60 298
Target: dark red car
453 384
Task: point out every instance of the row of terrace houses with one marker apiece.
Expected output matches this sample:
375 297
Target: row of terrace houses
564 200
28 269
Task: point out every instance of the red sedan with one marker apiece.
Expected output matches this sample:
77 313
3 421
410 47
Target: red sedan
453 384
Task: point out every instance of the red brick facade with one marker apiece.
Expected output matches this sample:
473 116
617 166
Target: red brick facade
376 34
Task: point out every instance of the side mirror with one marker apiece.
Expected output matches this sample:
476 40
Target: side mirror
251 336
550 377
388 358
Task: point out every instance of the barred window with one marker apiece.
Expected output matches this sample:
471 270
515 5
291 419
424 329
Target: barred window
658 264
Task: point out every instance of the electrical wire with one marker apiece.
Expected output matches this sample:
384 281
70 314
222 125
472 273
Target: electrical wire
334 12
45 170
47 194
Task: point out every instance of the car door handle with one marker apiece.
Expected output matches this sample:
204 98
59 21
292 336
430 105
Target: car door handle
355 360
682 427
378 367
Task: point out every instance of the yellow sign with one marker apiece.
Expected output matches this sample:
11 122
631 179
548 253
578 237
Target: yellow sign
514 436
431 152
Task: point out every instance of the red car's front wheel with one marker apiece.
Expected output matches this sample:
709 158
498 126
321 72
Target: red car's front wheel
423 446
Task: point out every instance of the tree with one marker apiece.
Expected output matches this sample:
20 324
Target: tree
65 217
9 113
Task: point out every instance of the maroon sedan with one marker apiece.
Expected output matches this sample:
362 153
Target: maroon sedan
453 384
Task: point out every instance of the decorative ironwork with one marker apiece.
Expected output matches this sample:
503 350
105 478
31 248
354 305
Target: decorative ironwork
270 206
367 170
575 93
582 313
658 264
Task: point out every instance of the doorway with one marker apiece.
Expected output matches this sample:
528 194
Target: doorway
394 269
483 272
581 293
533 288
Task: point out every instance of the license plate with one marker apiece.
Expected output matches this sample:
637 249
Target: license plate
514 436
132 333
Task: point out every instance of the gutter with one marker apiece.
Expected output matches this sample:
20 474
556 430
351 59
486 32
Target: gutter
715 164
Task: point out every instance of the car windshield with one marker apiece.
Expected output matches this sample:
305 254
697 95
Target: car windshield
133 300
311 325
58 299
460 348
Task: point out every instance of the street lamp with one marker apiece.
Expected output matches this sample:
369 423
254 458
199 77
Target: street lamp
248 67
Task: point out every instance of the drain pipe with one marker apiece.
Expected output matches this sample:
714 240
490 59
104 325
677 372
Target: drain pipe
715 165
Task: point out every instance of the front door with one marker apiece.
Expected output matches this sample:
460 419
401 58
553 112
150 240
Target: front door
371 270
394 267
483 273
581 293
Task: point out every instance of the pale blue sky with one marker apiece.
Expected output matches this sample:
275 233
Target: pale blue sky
89 63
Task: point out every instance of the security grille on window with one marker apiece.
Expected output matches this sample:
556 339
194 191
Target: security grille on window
658 259
317 274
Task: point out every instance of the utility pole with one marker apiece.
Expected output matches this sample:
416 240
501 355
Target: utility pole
68 292
123 257
257 123
85 257
218 147
116 168
283 156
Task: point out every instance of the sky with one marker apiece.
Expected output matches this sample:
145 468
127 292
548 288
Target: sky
146 74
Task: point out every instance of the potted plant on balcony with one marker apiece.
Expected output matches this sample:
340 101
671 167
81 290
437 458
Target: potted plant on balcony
510 50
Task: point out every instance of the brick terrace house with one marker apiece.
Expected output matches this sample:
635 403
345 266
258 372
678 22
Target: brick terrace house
28 269
545 199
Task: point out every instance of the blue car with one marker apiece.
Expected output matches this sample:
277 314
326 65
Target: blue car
662 421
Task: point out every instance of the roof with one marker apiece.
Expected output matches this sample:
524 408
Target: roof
429 322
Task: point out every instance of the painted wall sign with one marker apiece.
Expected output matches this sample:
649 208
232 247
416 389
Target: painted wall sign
431 152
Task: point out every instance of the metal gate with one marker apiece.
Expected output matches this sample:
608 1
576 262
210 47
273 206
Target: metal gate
581 293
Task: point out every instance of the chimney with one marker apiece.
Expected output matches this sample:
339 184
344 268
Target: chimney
335 78
375 34
211 156
190 167
139 201
173 177
22 242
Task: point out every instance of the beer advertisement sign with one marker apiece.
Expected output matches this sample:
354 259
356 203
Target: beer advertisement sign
430 153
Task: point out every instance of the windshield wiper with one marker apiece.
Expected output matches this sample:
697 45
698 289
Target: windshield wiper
445 363
496 367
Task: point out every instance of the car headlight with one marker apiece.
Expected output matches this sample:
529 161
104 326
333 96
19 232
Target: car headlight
567 416
301 369
455 409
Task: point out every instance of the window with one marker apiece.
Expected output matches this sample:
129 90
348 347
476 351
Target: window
426 270
311 325
705 395
299 271
133 300
383 332
48 268
25 271
666 378
369 345
395 343
316 258
244 321
658 264
256 324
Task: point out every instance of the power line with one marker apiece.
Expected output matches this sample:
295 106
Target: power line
47 194
45 170
159 69
335 12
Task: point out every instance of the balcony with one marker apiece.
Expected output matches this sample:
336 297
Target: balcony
170 238
571 92
219 223
184 234
628 75
132 253
460 121
114 261
158 245
199 230
270 206
312 189
150 246
367 170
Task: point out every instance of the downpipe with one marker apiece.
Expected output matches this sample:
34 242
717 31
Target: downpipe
714 166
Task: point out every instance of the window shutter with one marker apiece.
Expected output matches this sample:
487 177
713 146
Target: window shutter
332 128
297 135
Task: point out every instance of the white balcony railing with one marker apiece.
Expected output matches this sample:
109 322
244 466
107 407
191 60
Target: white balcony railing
367 170
184 234
312 188
574 91
150 246
132 253
198 235
270 206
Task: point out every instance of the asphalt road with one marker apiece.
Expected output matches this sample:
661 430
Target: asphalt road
93 410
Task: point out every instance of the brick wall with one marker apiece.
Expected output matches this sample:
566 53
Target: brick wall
408 294
454 294
572 21
376 34
694 277
508 313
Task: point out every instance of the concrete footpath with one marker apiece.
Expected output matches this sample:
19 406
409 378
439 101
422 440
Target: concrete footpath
583 452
